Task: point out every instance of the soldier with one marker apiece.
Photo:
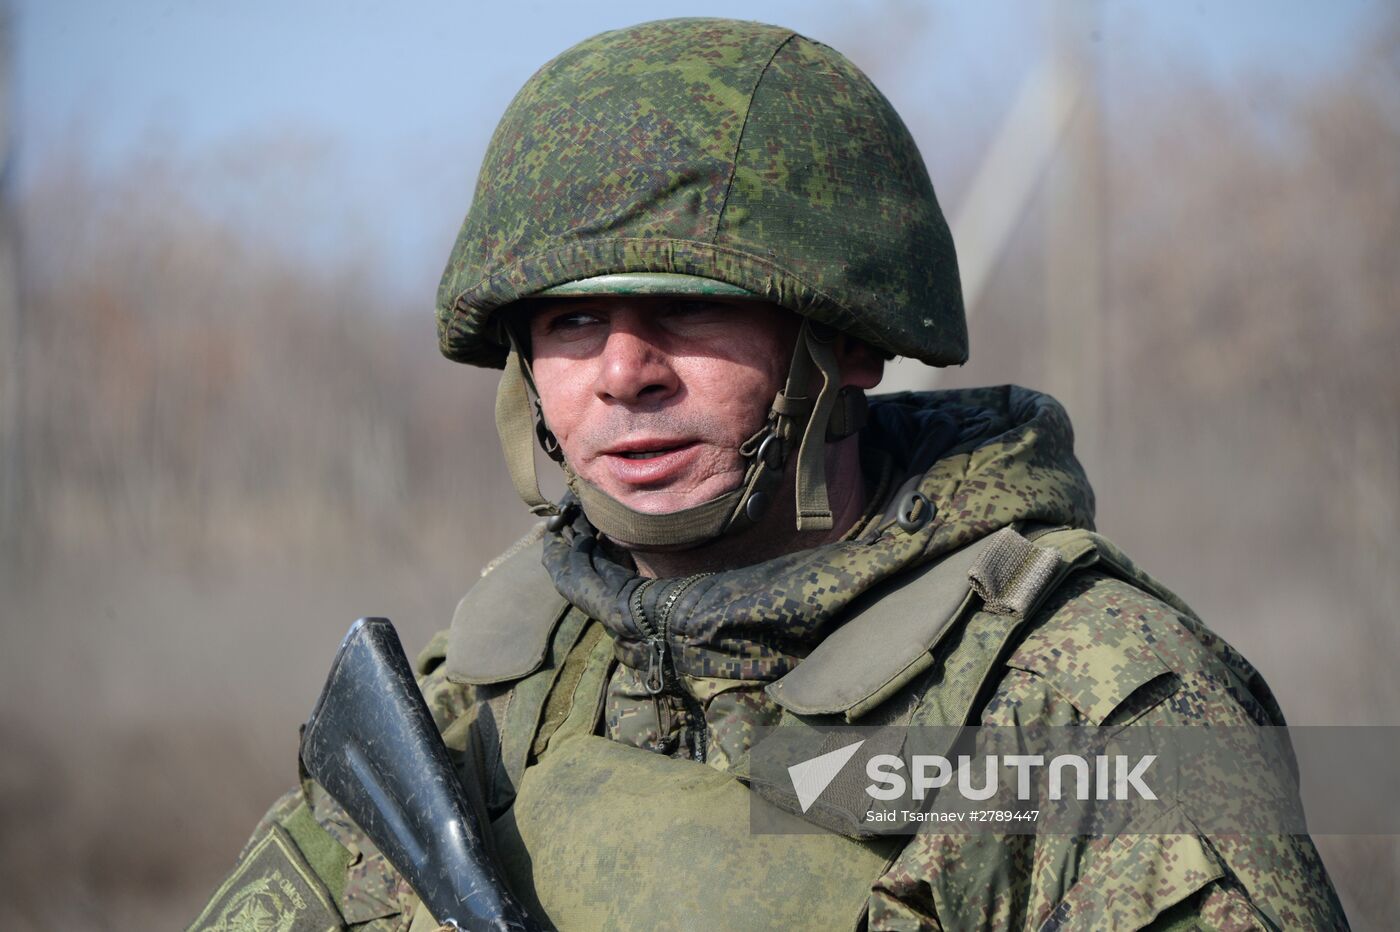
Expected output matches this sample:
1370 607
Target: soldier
693 245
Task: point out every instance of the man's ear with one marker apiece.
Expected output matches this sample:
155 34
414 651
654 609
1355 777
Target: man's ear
862 366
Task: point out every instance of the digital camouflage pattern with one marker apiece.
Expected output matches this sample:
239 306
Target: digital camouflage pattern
733 151
1101 650
750 155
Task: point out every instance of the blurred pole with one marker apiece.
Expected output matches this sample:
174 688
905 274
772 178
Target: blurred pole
11 358
1007 179
1075 344
1002 188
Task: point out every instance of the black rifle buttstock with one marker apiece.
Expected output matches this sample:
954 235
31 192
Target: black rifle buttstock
372 744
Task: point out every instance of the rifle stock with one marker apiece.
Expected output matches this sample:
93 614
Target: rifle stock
372 744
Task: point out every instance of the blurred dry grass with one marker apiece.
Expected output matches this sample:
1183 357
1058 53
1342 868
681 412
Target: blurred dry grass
219 459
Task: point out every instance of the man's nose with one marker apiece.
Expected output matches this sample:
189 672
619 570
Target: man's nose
634 369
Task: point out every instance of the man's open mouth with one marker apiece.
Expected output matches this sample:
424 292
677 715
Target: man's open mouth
650 461
647 454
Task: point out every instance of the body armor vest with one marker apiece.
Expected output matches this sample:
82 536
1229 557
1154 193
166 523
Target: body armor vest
596 834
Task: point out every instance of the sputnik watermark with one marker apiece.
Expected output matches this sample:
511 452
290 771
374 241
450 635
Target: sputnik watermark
1098 777
1109 777
864 781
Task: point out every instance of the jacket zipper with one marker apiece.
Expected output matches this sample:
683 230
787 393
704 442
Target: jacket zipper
659 660
655 679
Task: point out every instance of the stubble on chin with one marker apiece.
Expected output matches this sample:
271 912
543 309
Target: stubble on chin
719 467
720 470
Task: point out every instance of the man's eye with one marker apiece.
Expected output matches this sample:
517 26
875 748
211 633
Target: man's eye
571 321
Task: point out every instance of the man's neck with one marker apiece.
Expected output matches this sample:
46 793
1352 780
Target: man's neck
776 534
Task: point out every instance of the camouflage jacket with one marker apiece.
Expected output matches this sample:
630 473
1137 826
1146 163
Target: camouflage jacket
1100 649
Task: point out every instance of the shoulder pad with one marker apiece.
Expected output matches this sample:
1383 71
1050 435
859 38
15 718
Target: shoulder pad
501 628
888 635
1088 648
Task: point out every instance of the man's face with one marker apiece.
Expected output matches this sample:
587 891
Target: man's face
651 397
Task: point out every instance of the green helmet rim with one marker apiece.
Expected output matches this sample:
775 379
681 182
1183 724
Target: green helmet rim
645 283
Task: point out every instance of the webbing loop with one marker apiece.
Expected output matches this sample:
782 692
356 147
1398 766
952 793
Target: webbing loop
515 423
813 504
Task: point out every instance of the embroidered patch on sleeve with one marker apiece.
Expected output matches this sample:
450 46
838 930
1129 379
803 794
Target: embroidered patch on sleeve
272 890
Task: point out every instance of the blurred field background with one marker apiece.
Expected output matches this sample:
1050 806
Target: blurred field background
225 432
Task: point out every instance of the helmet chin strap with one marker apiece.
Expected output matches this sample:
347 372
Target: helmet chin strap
796 422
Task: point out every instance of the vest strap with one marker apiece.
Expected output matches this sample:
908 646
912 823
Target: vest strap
891 633
883 644
521 720
577 685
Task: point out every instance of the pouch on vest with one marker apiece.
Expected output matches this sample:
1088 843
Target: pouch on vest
610 836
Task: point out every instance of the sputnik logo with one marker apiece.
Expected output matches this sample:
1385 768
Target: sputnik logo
811 777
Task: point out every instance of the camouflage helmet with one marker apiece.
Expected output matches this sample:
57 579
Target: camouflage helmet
706 156
733 151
